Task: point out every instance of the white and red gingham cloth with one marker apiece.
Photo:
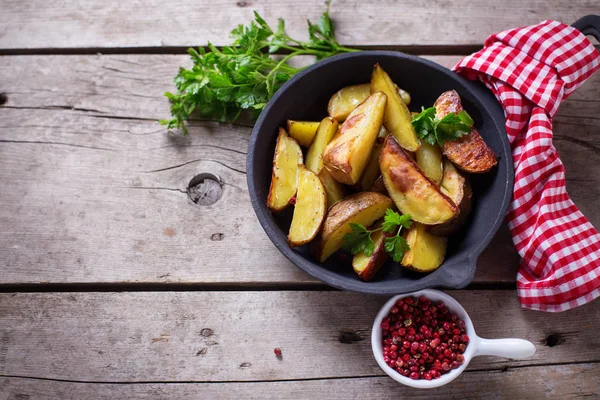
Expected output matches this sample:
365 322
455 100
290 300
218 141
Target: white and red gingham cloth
531 70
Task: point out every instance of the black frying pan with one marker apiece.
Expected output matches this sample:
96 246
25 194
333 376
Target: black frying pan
305 97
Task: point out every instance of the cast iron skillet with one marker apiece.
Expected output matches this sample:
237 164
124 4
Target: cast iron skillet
305 97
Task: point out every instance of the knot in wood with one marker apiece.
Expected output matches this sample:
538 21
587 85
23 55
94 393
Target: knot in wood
205 189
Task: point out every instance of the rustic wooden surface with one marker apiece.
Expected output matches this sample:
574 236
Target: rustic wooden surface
39 24
210 338
94 201
575 381
88 172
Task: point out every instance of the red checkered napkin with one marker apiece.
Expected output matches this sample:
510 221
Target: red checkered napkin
531 70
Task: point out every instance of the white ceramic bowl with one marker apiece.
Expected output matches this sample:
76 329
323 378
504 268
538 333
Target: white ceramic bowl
509 348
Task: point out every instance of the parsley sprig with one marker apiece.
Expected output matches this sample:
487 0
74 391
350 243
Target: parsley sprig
450 127
244 75
359 239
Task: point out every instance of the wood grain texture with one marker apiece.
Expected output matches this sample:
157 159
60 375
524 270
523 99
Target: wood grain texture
230 336
94 189
546 382
35 24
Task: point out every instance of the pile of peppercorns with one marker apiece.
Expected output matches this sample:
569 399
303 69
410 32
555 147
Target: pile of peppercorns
422 339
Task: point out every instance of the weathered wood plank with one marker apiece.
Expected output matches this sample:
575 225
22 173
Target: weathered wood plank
230 336
544 382
78 142
84 23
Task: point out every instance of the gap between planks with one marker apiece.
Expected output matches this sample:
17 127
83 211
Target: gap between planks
325 378
427 50
84 287
432 50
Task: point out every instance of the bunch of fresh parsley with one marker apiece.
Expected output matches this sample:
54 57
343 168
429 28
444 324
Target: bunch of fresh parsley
359 239
244 76
434 130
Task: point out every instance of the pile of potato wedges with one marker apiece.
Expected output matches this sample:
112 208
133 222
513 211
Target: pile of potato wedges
364 158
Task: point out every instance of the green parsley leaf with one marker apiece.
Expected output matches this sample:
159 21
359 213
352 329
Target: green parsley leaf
423 124
222 83
465 118
393 220
450 127
433 130
396 246
358 240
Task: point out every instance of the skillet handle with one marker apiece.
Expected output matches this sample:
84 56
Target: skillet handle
589 25
460 275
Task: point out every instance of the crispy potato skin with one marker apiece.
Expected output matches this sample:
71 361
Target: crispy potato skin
285 169
347 154
310 208
412 192
364 208
347 99
426 252
457 187
379 186
470 152
366 267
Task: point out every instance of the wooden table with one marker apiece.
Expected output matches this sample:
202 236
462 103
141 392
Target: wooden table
114 284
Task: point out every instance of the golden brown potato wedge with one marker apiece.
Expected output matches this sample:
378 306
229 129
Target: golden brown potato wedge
334 190
412 192
364 208
314 157
303 131
429 159
397 120
379 186
347 99
426 252
404 95
310 208
470 152
372 172
285 170
457 187
347 155
366 267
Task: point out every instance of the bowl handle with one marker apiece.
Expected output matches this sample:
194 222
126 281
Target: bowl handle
462 275
508 348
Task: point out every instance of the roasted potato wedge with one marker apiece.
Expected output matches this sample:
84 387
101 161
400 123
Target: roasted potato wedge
347 155
372 171
379 186
366 267
457 187
426 252
397 120
470 152
303 131
364 208
310 208
347 99
314 157
285 170
412 192
334 190
404 95
429 159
